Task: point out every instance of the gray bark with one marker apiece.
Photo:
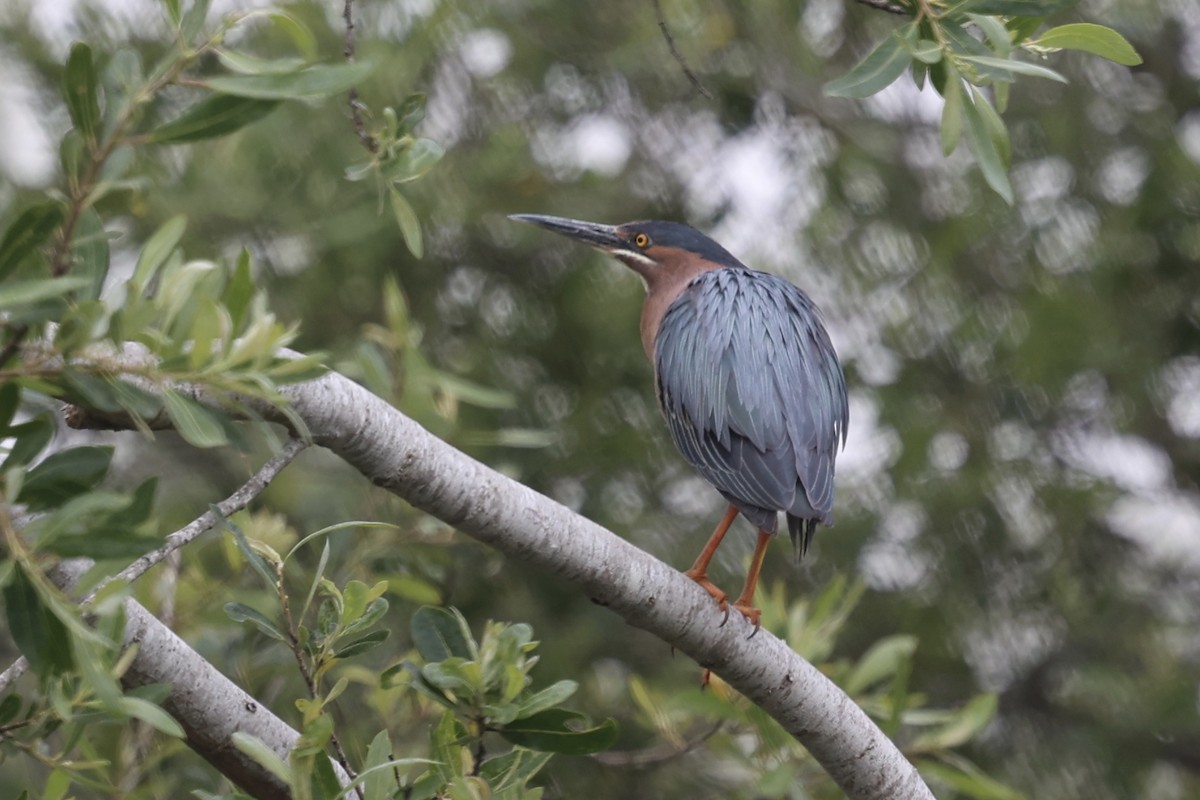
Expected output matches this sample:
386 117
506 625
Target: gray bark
399 455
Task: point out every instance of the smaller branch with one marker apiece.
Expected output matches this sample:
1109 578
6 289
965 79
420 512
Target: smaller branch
885 5
356 106
15 670
309 675
205 522
662 26
657 754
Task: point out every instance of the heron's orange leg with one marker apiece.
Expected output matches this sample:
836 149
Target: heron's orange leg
745 600
699 570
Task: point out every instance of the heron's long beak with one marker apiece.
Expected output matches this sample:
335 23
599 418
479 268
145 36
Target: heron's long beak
600 236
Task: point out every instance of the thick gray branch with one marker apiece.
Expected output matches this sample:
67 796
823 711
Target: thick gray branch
399 455
402 457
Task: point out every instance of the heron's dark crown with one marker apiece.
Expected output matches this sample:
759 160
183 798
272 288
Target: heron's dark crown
683 237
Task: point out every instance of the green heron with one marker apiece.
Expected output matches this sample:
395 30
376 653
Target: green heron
746 377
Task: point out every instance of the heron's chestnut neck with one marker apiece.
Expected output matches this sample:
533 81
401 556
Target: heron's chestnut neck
665 280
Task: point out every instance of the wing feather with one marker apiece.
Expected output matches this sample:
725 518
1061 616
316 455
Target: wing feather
753 393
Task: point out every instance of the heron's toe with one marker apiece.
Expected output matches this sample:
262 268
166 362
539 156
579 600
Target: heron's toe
751 613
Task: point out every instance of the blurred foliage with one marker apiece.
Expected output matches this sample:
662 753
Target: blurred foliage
1021 492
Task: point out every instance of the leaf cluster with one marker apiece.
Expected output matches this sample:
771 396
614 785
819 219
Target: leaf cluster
964 49
485 688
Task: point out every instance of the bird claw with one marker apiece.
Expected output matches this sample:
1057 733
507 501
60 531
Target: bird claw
752 614
713 591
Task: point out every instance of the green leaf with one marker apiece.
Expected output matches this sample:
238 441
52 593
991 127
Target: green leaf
441 633
124 70
27 232
513 769
25 293
239 291
414 590
410 113
991 163
40 636
373 613
90 245
995 127
80 90
257 562
216 115
968 780
10 706
952 116
197 424
927 51
550 731
547 698
239 612
970 720
997 34
510 437
92 391
378 785
1090 38
157 250
1016 8
880 68
151 714
252 65
361 645
406 218
29 439
413 162
1019 67
71 156
193 20
880 662
262 754
1021 28
10 400
315 81
296 30
450 674
64 475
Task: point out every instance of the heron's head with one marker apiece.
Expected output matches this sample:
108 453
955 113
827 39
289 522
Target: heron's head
658 251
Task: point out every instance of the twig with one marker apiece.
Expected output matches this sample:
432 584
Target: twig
885 5
657 754
368 141
306 671
662 26
230 505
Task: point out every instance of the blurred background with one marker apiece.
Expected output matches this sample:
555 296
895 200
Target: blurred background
1021 487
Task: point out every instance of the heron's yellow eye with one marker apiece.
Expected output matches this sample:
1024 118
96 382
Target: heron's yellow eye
642 240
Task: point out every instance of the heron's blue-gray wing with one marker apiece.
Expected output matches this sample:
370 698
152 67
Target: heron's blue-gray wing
752 391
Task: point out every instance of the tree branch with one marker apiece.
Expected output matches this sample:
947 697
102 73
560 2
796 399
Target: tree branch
662 26
399 455
886 5
356 106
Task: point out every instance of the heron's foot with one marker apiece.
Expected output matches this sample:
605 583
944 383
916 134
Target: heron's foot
713 591
751 613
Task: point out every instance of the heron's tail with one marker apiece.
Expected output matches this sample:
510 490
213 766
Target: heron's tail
801 532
